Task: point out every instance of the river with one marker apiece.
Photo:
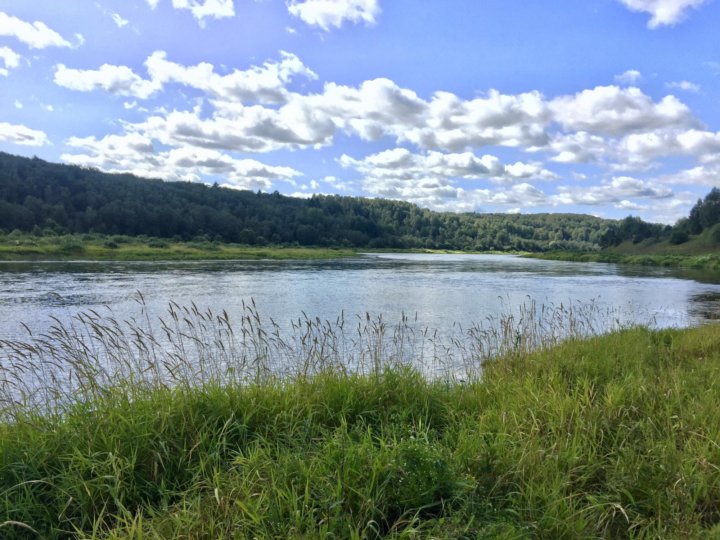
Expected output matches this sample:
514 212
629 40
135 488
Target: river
438 290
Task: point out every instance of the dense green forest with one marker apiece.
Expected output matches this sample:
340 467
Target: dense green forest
41 197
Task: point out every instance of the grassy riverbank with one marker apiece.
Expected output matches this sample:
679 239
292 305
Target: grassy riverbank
700 252
14 247
614 436
701 262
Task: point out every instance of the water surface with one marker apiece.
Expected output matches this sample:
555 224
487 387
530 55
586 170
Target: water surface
440 290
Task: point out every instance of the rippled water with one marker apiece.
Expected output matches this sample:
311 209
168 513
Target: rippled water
439 289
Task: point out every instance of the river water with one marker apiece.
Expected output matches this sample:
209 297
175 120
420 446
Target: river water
436 290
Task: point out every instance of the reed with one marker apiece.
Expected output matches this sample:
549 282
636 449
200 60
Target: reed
550 422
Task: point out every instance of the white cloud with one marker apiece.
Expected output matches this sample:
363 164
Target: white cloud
578 147
635 151
631 76
616 111
702 145
701 175
22 135
450 123
10 60
257 110
332 13
18 104
264 83
254 110
686 86
36 35
118 20
135 153
629 205
431 179
620 188
153 3
401 164
119 80
202 9
663 12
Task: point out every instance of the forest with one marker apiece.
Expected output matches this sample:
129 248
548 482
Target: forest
45 198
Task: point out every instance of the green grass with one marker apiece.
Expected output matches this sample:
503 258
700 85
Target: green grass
14 247
701 252
615 436
709 261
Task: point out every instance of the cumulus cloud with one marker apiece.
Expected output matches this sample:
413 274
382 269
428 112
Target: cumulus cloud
631 76
36 35
120 80
450 123
202 9
136 154
10 60
579 147
616 111
332 13
700 144
620 188
257 110
22 135
431 179
266 83
685 86
700 175
401 164
663 12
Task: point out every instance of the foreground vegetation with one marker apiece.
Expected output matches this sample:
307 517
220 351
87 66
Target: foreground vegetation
615 436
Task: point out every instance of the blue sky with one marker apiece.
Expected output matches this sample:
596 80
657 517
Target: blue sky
606 107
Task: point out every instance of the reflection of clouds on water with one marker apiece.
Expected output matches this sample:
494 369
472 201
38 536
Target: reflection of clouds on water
705 306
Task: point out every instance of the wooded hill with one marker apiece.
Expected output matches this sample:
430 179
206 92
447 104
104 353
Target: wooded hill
37 196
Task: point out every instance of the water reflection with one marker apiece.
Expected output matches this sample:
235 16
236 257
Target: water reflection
440 289
705 305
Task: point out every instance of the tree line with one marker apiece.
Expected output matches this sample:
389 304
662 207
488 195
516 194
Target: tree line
41 197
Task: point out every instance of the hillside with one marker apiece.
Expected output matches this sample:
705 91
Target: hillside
40 197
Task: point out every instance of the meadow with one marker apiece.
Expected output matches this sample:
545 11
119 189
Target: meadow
17 246
701 252
195 426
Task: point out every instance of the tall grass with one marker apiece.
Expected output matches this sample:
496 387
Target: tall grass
80 359
194 426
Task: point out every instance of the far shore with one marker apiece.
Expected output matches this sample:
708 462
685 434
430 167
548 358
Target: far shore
95 247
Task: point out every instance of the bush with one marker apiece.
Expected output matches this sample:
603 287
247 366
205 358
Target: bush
71 244
679 236
715 233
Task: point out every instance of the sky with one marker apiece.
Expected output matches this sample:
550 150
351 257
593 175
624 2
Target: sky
603 107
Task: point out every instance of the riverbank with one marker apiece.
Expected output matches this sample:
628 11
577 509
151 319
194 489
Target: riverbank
126 248
95 247
701 252
612 436
709 261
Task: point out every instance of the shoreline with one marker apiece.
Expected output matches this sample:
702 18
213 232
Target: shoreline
102 248
710 261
